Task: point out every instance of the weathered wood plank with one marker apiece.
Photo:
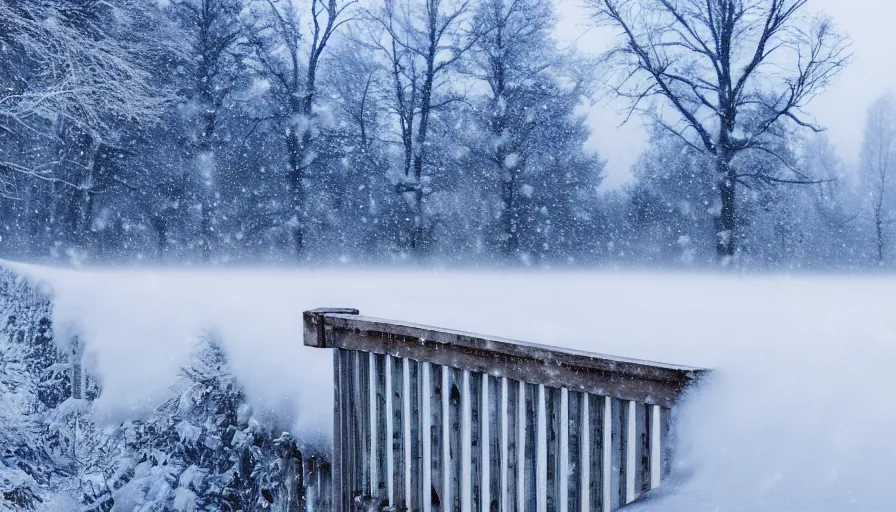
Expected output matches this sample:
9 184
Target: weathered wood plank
620 453
362 419
348 458
384 430
506 416
475 442
338 441
630 379
529 438
447 496
398 438
552 449
426 433
609 468
439 428
574 451
455 463
374 425
631 450
541 464
485 418
350 449
358 426
563 465
656 446
413 448
390 433
466 445
495 456
586 488
642 483
314 321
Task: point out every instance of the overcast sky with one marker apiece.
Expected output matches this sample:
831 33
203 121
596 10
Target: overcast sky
841 108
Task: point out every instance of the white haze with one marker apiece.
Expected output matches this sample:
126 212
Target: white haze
798 415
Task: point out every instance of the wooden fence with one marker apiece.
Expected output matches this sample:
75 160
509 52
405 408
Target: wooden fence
437 420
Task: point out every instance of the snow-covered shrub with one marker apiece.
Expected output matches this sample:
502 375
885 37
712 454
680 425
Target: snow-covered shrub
201 450
33 381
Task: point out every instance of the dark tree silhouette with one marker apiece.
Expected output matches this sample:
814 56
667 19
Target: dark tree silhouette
734 72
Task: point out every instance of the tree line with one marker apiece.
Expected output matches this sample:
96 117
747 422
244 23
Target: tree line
408 130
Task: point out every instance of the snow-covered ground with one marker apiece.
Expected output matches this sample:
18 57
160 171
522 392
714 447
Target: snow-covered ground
799 414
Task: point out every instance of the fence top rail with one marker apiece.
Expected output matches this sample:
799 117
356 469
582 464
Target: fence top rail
618 377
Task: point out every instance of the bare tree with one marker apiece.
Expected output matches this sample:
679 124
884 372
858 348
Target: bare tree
214 30
529 84
79 61
878 163
72 76
422 44
734 73
290 55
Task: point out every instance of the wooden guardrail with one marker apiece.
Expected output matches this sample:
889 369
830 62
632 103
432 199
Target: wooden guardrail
435 420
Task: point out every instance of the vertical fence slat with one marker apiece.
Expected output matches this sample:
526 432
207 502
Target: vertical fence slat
513 451
505 447
524 447
417 494
398 424
631 450
383 436
564 450
359 399
552 448
495 498
475 425
597 431
390 432
573 458
438 422
656 457
348 448
644 447
446 501
374 424
426 435
456 421
485 437
607 473
406 430
348 408
585 457
541 457
620 454
465 445
666 441
338 442
447 474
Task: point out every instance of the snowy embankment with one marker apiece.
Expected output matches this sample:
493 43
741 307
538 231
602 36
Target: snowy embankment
798 415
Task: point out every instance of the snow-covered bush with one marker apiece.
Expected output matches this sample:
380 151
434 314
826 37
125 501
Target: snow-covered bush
201 450
32 382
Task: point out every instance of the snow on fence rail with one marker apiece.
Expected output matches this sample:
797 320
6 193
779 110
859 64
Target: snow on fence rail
435 420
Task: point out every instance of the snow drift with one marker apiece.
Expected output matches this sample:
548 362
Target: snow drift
797 416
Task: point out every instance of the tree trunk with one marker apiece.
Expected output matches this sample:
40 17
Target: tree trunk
879 227
206 165
726 222
295 178
510 236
